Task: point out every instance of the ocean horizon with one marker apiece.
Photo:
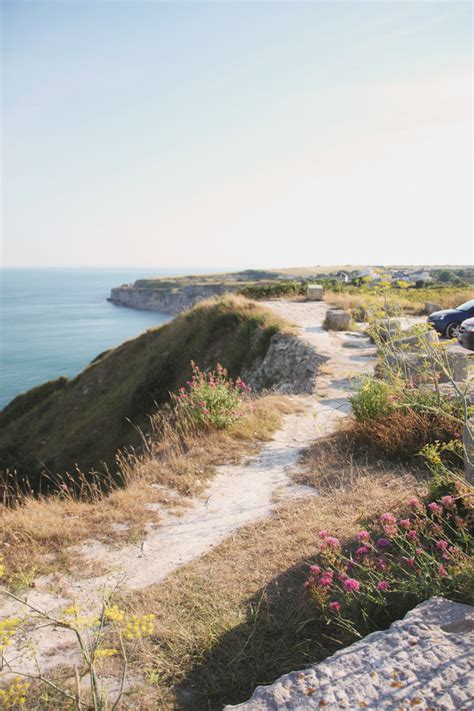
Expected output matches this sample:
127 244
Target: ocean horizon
54 321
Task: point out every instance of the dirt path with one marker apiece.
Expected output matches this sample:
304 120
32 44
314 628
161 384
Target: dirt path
237 495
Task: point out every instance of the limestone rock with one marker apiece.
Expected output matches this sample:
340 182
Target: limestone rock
430 308
315 292
290 365
418 341
423 661
386 328
337 320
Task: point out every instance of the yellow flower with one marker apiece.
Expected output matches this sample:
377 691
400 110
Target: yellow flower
2 567
137 627
7 630
101 653
114 613
14 694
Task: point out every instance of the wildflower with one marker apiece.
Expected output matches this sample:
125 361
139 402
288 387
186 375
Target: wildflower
410 562
113 613
323 534
331 542
412 535
442 545
363 536
383 543
325 580
309 583
383 586
382 564
405 522
14 694
442 571
137 627
315 569
447 501
334 606
414 503
361 551
351 585
387 518
8 628
435 508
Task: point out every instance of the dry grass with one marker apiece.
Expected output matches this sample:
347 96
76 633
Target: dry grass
411 301
238 617
37 533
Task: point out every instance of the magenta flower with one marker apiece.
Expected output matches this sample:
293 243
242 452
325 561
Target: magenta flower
405 522
351 585
442 571
435 508
447 501
331 542
414 503
442 545
315 569
382 564
388 518
334 606
309 583
363 550
411 562
383 543
363 536
412 535
323 534
383 586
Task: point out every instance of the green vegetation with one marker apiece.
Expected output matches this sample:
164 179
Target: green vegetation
81 423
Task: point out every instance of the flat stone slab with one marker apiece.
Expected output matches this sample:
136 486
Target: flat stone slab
425 661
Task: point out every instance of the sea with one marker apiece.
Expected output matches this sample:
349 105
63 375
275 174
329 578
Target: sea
53 322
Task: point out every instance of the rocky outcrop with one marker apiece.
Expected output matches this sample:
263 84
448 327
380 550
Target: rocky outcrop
290 365
423 661
166 300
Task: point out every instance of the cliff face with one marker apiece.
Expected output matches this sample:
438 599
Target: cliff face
167 300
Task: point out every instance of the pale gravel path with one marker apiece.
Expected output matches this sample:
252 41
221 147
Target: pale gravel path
237 495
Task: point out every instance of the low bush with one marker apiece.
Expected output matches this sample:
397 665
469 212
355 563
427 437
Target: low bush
211 400
395 564
372 400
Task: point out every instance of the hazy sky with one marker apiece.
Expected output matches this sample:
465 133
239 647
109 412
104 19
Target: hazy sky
236 134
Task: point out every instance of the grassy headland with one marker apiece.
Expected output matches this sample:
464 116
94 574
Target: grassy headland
83 422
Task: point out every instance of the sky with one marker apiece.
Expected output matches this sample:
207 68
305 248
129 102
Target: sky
236 134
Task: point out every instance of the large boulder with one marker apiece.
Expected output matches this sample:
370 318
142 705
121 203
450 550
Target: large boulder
416 341
337 320
430 308
443 367
315 292
423 661
385 328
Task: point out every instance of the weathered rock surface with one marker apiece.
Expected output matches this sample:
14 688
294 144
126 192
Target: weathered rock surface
337 320
417 341
290 365
387 328
430 308
167 301
315 292
422 367
424 661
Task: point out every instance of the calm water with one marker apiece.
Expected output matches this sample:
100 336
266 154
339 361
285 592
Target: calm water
55 321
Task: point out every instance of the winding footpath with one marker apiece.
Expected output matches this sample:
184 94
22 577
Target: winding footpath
237 495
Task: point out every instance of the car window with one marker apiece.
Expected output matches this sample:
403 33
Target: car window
468 306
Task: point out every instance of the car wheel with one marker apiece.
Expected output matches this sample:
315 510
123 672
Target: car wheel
453 330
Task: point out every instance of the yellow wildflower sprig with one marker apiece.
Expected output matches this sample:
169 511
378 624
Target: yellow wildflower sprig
14 694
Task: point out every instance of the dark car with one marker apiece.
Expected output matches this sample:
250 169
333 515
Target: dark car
466 334
448 321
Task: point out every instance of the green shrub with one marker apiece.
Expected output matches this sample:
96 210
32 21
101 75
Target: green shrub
211 400
372 400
